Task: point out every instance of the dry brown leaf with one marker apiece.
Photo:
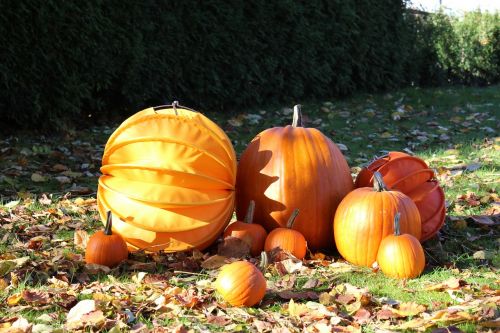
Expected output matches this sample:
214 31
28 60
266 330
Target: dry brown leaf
452 283
362 316
36 296
289 266
409 309
289 294
214 262
233 247
81 238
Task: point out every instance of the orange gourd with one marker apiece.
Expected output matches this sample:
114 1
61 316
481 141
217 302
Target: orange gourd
401 255
253 234
366 216
105 247
168 176
412 176
287 239
290 167
241 284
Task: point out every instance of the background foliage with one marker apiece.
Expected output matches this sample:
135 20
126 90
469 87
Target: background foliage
63 61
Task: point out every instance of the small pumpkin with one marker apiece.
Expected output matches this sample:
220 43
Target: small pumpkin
241 284
290 167
412 176
366 216
253 234
287 239
401 255
105 247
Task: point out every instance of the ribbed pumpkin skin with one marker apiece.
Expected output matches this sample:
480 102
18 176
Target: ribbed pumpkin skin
412 176
284 168
288 240
401 257
168 178
107 250
241 284
254 234
365 217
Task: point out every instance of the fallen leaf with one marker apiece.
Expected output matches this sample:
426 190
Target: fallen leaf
214 262
311 283
409 309
362 316
487 220
36 296
6 266
262 326
81 238
233 247
21 325
289 294
63 179
289 266
44 200
38 178
12 204
452 283
14 299
59 168
297 309
94 269
79 310
491 323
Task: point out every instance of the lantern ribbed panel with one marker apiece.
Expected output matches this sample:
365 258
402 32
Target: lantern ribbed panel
168 179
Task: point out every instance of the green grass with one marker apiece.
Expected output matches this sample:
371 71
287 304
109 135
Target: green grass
445 126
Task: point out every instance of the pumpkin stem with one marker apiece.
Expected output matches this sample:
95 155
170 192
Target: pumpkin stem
397 226
297 116
109 222
264 260
378 184
250 211
292 218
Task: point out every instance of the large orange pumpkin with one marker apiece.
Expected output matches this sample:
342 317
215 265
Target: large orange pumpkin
412 176
168 178
366 216
290 167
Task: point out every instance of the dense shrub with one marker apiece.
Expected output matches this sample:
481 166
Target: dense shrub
64 60
468 47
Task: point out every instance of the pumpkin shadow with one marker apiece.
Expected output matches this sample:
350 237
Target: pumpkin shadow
254 177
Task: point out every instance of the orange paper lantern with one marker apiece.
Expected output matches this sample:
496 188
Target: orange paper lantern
168 178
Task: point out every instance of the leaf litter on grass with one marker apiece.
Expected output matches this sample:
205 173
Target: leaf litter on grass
48 211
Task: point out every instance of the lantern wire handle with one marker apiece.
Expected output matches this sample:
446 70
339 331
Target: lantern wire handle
175 104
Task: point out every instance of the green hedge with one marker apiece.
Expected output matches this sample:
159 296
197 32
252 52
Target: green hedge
64 60
468 47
